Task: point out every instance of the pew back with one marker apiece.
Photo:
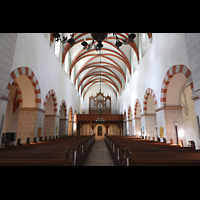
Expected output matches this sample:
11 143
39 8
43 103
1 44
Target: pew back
134 151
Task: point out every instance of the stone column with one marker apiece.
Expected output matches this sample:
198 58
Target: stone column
63 127
137 126
51 125
130 127
167 117
29 120
149 124
143 126
124 128
70 128
75 127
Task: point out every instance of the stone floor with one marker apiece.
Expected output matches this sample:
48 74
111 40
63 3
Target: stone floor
99 155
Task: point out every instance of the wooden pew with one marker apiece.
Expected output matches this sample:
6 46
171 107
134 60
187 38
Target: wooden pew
60 151
131 151
35 158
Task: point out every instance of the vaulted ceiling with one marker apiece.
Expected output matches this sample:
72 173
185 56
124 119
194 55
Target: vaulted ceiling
84 66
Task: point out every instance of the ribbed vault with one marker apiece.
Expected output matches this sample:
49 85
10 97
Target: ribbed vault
84 66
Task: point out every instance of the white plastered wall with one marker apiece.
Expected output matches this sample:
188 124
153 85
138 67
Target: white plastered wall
166 50
33 50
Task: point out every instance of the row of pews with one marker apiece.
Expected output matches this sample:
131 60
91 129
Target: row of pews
132 151
64 151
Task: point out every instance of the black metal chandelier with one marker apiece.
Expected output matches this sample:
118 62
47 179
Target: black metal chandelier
100 119
99 37
57 37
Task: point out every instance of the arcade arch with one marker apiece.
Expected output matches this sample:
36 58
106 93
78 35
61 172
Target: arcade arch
178 107
23 106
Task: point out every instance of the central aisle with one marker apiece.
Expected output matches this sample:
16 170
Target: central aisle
99 155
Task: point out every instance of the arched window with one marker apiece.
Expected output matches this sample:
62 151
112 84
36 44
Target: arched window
57 48
143 42
92 104
107 104
66 63
133 61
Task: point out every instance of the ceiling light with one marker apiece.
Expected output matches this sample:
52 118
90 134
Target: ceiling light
64 40
99 37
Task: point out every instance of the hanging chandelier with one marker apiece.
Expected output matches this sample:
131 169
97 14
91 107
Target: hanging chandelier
100 119
99 37
64 40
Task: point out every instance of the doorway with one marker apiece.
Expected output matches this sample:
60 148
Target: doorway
100 131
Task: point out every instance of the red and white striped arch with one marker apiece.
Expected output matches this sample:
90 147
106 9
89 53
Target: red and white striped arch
130 116
137 103
51 93
148 92
63 103
170 73
30 74
70 114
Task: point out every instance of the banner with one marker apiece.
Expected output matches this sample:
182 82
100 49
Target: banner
161 129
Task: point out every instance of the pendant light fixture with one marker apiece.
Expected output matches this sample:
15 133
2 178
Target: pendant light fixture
100 119
99 37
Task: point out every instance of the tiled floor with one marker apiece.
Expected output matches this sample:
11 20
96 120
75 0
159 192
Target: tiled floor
99 155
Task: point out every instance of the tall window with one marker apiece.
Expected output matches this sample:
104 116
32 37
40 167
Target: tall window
66 63
57 48
143 40
133 60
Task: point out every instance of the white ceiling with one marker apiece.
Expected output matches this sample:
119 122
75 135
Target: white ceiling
114 62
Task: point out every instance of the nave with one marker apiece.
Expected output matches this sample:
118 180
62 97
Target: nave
50 91
104 151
